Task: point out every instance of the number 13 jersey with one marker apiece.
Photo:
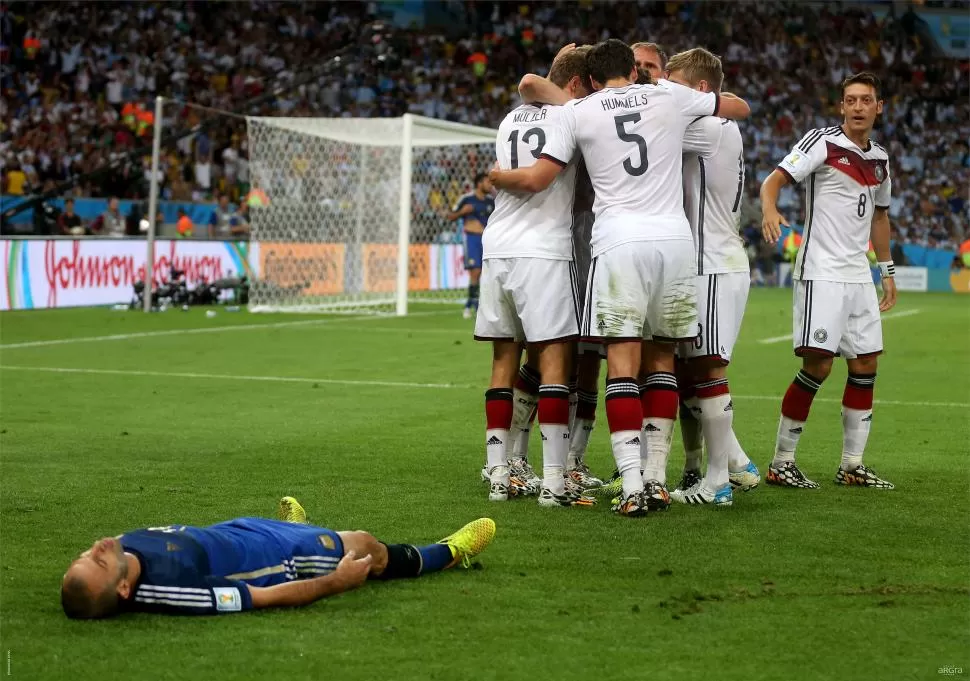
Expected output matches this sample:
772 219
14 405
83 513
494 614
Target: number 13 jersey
631 138
843 186
531 225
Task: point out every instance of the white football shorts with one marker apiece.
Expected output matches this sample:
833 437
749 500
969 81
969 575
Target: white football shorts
835 318
527 299
721 299
642 290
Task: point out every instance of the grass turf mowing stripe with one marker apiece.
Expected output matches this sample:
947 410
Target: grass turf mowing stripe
393 384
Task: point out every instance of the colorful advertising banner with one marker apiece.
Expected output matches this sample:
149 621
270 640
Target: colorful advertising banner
40 273
447 267
912 278
380 267
316 269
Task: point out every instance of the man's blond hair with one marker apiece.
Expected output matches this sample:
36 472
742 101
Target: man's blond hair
572 63
696 65
651 46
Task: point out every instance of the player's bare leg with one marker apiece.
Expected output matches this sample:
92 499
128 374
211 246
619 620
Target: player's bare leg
856 423
625 416
471 303
794 413
587 381
660 400
498 417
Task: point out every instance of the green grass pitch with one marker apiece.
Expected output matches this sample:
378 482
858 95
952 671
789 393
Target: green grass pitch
377 424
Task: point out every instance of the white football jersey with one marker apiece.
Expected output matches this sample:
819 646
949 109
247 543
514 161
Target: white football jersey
531 225
632 141
845 184
713 185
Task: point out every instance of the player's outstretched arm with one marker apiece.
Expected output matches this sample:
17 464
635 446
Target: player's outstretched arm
733 107
529 180
880 237
460 213
538 90
771 219
351 572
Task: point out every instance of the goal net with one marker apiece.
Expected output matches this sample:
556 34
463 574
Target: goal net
348 214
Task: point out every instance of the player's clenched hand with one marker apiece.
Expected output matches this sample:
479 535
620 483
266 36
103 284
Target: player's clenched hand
888 294
353 571
771 225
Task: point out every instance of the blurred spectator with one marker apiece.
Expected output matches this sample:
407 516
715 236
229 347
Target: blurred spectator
77 66
184 225
110 222
220 224
69 222
15 180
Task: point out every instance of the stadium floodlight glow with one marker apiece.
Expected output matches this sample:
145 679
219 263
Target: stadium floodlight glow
349 216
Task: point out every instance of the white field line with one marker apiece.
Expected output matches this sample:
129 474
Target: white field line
205 329
396 384
885 317
229 377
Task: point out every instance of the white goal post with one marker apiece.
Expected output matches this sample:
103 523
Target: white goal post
347 214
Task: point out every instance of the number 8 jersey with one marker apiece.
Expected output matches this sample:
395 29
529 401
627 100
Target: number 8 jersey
531 225
845 184
631 138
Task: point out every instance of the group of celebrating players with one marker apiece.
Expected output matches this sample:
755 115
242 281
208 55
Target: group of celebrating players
614 232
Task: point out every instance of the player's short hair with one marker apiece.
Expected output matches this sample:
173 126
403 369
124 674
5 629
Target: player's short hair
571 64
862 78
479 177
651 46
610 59
80 604
698 64
644 77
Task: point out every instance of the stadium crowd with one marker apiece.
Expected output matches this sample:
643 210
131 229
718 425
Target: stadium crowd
81 77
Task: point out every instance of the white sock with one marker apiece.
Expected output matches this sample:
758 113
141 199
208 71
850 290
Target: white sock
579 441
655 448
717 419
737 460
496 448
789 432
573 404
856 424
555 447
523 414
693 436
626 452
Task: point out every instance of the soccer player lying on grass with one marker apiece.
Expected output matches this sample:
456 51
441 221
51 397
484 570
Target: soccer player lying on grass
247 563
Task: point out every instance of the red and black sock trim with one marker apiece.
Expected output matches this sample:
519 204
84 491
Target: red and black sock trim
528 380
586 407
554 404
498 408
858 391
623 409
798 398
659 395
807 382
714 388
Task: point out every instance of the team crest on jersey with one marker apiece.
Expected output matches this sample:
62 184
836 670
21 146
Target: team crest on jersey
327 541
820 335
879 172
169 546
